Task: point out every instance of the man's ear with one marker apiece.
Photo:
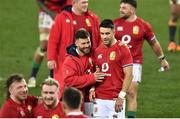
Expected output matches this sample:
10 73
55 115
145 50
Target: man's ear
10 89
76 42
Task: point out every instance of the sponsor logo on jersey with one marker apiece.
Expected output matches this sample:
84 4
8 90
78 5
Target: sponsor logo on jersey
88 23
112 55
136 30
119 28
99 56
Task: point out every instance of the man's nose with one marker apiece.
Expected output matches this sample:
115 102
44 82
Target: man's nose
25 89
87 45
104 36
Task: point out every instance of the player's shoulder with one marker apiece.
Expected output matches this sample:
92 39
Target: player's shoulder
8 105
68 58
64 13
92 14
71 61
142 21
99 47
32 100
32 97
39 106
118 20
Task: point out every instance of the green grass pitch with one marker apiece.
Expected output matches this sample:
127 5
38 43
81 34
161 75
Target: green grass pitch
159 94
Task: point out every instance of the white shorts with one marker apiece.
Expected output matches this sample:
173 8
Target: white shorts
105 109
88 108
45 20
137 72
177 1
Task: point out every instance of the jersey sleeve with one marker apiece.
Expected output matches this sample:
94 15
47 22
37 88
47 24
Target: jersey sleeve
54 38
149 34
33 100
9 111
95 29
73 77
126 56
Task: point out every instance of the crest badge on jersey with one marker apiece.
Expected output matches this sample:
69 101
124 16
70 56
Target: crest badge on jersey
119 28
112 55
135 30
88 23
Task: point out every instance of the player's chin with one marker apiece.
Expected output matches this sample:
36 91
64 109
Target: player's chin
87 50
122 15
106 42
23 97
84 9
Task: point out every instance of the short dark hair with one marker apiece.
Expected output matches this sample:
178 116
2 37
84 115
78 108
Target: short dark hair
107 23
131 2
72 97
11 79
81 33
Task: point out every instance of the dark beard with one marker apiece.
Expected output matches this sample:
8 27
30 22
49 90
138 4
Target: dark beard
125 17
85 53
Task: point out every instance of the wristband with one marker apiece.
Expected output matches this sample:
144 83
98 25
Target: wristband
161 58
122 95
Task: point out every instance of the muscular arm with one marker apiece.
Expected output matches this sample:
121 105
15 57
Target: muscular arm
54 39
73 77
126 83
127 78
156 47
